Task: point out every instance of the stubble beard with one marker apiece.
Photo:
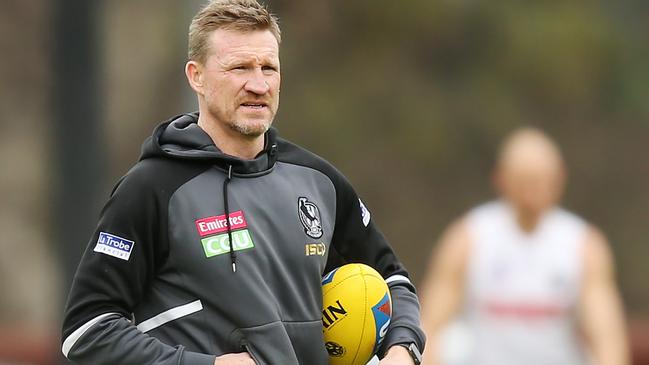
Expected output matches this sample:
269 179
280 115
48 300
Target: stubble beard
247 128
251 129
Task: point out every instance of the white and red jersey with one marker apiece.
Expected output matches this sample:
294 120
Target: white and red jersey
523 288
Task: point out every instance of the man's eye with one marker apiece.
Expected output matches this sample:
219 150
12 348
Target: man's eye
269 68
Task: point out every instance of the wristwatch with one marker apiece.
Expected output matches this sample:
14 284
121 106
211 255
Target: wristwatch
413 350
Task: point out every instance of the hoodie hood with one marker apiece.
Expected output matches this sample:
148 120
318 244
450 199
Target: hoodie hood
181 138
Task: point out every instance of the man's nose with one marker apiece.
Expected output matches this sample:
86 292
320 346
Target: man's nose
257 83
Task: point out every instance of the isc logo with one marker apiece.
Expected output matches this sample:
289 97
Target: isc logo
332 314
315 249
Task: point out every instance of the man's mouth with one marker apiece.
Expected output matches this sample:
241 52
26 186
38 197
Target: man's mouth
254 104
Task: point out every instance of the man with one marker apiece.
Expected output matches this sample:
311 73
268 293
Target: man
201 255
530 277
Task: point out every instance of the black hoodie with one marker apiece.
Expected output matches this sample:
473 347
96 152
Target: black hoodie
160 284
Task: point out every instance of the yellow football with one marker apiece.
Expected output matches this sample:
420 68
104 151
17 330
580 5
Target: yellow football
356 311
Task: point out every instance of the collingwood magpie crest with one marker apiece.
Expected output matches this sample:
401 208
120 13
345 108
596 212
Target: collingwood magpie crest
310 217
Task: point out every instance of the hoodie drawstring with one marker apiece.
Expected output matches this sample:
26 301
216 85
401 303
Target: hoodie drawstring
233 254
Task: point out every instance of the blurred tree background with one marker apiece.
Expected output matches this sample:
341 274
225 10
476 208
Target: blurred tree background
408 99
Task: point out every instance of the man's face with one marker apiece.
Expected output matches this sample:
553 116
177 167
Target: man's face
532 179
241 80
532 189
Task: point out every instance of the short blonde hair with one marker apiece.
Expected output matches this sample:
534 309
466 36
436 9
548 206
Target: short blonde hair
241 15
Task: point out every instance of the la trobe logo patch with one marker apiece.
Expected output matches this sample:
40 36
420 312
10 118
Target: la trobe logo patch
115 246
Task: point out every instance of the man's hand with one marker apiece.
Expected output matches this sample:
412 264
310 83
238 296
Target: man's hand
397 355
242 358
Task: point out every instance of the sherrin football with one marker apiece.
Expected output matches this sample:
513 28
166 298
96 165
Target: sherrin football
356 311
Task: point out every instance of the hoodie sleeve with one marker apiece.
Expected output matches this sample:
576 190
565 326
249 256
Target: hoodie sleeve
119 262
358 239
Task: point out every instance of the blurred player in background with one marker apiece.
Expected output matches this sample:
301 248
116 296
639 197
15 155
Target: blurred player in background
534 283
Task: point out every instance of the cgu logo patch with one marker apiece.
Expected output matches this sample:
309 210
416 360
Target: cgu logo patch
310 217
220 243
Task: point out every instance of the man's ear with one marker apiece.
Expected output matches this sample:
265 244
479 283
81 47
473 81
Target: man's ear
194 73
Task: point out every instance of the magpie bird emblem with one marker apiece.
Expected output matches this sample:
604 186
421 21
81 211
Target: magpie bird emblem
310 217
